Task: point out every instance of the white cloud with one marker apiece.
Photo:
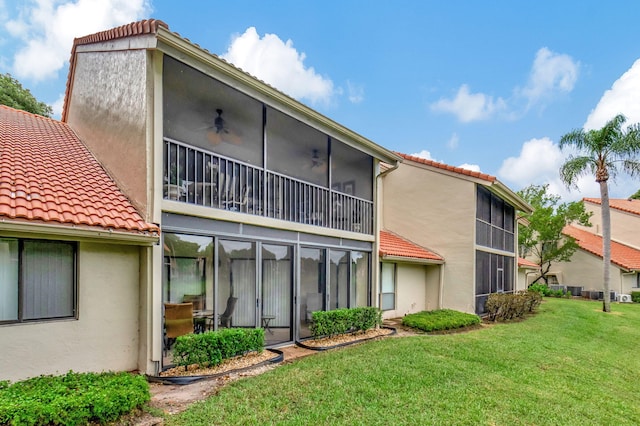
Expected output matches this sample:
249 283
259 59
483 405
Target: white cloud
356 92
467 106
551 73
424 154
472 167
279 64
46 29
539 163
57 106
452 143
622 98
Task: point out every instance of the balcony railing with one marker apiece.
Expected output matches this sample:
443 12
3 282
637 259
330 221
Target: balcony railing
203 178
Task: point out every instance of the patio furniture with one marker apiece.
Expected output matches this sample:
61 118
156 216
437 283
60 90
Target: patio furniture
178 321
225 318
266 320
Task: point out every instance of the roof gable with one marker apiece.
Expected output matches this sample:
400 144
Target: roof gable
621 255
395 246
48 175
453 169
527 264
623 204
149 26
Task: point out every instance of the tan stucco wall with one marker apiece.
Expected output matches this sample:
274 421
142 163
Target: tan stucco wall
108 111
436 211
585 269
105 335
411 292
624 226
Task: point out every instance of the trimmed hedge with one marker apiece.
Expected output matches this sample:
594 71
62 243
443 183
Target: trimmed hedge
72 399
507 306
635 296
211 348
440 319
345 320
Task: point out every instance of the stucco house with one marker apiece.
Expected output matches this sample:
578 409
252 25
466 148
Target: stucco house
467 218
73 254
267 208
585 268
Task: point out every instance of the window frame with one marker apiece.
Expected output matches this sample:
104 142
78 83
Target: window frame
495 221
394 275
21 282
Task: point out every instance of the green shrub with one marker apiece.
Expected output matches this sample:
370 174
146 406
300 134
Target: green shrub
441 319
543 289
547 292
345 320
211 348
635 296
72 399
507 306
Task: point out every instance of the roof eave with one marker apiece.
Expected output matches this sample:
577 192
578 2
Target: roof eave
508 195
172 40
403 259
78 233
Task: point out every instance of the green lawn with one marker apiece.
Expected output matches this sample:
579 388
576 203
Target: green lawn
570 364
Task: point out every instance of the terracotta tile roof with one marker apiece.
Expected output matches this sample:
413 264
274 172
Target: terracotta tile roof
48 175
394 245
524 263
623 204
147 26
621 255
453 169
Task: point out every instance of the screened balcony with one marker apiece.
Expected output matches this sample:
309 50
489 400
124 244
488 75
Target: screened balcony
200 177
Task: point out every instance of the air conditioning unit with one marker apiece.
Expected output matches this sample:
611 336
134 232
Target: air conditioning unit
623 298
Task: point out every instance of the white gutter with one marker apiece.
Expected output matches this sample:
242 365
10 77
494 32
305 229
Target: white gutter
403 259
72 232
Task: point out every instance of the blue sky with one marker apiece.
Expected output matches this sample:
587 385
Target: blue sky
490 86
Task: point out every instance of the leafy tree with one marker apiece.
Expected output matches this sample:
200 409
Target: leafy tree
14 95
602 153
636 196
541 234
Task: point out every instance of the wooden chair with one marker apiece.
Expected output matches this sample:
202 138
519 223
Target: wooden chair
178 321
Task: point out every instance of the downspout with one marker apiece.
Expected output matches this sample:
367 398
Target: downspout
375 264
441 287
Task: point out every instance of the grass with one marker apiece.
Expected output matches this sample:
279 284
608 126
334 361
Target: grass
570 364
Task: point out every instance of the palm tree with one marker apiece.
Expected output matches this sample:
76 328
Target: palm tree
603 152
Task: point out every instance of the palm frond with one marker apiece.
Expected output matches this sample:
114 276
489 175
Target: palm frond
575 167
575 138
631 167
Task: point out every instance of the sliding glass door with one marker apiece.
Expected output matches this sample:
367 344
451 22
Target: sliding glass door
312 286
237 298
277 288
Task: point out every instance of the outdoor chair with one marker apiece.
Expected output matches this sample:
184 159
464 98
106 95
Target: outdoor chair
178 321
225 318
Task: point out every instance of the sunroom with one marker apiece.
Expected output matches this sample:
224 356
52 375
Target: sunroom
268 207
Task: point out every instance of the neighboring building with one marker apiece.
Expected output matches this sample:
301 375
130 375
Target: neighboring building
410 276
585 270
625 219
467 218
260 198
72 248
526 269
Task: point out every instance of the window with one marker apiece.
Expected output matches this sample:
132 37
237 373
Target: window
494 221
494 274
37 280
388 286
